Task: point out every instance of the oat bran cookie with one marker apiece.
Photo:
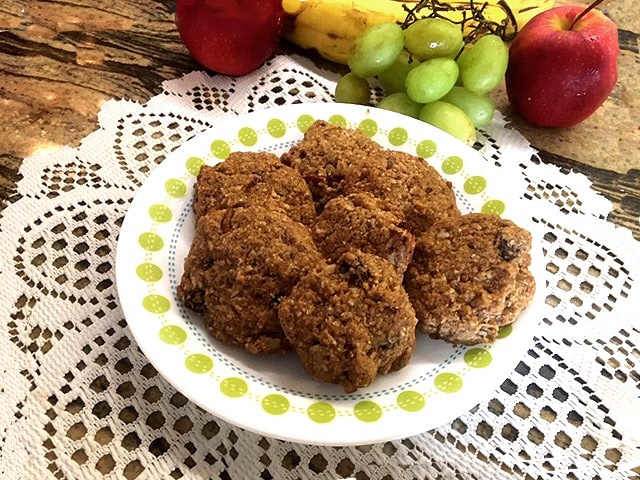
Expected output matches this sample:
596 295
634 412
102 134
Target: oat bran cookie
247 178
361 221
407 183
323 155
469 276
251 259
350 321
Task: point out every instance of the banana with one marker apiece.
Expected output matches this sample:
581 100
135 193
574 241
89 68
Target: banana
331 26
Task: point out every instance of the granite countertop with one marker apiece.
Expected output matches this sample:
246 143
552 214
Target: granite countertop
60 61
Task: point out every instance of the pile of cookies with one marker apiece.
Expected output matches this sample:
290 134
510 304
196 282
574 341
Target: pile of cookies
340 249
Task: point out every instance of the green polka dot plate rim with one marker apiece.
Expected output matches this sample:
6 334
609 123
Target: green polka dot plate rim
160 213
175 187
272 395
149 272
247 136
275 404
156 304
398 136
150 241
368 126
411 401
172 335
233 387
367 411
198 363
276 128
321 412
193 165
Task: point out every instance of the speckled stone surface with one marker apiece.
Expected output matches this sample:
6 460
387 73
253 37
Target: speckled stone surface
61 60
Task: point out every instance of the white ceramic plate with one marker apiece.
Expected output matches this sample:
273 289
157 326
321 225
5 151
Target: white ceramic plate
272 395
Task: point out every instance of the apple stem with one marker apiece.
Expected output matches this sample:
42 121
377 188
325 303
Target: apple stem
584 12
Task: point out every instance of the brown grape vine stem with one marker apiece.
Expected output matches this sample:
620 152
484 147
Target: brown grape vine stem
473 20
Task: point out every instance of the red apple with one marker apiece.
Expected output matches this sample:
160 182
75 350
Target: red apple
558 75
233 37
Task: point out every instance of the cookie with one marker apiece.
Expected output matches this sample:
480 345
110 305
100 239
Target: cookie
324 154
469 276
246 178
247 259
350 321
361 221
408 184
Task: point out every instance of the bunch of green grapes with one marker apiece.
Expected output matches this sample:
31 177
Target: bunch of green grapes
425 75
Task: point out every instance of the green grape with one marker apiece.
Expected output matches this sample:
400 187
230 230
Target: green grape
433 37
376 49
392 79
401 103
483 66
449 118
431 80
353 89
479 108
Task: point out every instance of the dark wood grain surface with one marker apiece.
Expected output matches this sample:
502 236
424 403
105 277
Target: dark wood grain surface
60 60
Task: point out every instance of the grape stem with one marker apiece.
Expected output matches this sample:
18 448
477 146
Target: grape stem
473 17
584 12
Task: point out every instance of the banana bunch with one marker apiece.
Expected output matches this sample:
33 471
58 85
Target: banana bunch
331 26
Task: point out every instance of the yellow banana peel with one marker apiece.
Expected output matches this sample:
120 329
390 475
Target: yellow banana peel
331 26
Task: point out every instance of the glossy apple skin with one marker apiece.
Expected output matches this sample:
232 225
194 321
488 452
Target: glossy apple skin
233 37
557 77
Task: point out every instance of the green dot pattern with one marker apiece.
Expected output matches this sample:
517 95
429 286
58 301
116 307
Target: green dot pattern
338 120
411 401
156 304
367 411
321 412
233 387
398 136
304 122
220 149
150 241
149 272
198 363
426 148
160 213
275 404
276 128
505 331
172 335
496 207
448 382
477 358
176 188
247 136
475 185
452 165
193 165
368 126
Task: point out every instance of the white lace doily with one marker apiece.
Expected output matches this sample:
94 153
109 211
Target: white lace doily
79 400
